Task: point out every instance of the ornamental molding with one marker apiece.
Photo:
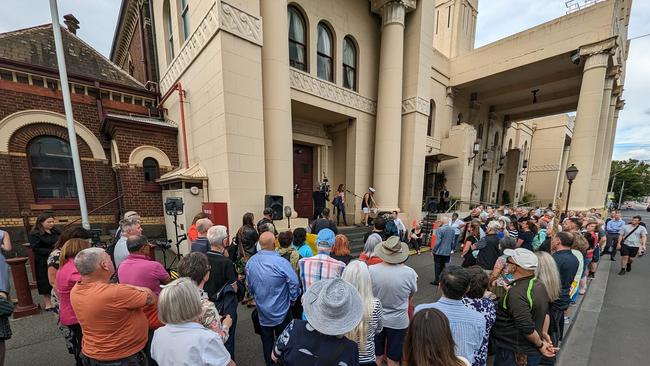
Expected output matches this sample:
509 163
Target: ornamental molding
606 46
416 104
392 11
240 23
323 89
544 168
221 16
124 33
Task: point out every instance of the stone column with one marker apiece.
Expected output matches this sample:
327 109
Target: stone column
278 140
610 151
596 197
583 147
451 118
608 145
388 129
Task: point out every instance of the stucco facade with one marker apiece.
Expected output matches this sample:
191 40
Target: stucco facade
260 121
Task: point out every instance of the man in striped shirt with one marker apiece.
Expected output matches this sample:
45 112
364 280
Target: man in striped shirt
320 266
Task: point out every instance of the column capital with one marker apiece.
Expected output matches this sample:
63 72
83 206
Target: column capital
392 11
606 46
596 60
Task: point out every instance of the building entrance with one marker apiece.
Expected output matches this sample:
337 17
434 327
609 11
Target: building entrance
303 179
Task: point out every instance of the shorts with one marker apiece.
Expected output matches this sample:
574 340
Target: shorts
365 210
628 251
392 340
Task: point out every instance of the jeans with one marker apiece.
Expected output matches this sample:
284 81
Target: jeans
612 241
147 349
138 359
440 261
270 334
505 357
77 336
340 210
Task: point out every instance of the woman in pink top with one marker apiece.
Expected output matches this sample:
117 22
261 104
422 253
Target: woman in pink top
66 278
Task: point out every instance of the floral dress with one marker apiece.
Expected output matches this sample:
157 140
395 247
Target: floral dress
486 307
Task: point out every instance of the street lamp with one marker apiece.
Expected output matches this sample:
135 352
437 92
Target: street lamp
476 148
571 173
484 158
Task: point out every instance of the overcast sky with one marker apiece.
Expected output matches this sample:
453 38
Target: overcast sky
496 19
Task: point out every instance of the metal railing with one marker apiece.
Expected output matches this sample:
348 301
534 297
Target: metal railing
473 204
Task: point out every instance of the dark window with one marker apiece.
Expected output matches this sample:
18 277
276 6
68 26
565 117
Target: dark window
324 53
297 39
151 170
432 116
185 18
22 78
51 167
92 92
38 81
79 89
169 34
349 64
116 97
6 75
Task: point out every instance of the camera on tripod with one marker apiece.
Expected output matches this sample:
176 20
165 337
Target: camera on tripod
174 206
324 186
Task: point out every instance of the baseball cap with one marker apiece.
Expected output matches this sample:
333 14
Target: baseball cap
371 189
325 238
524 258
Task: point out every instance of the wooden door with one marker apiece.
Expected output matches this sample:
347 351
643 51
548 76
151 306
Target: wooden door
303 177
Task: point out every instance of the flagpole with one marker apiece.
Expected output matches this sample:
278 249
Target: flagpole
67 104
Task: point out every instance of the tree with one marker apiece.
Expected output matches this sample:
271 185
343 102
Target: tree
635 174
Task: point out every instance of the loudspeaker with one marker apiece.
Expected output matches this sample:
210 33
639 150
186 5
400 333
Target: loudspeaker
275 203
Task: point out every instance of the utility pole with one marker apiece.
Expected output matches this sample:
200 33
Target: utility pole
67 104
620 197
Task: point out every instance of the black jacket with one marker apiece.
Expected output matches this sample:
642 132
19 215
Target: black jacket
246 237
489 251
520 312
43 243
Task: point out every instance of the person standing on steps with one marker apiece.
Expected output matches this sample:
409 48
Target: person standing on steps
339 205
631 237
367 203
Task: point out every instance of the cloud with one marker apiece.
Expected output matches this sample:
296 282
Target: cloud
636 153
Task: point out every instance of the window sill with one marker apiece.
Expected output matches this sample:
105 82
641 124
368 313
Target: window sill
55 204
151 187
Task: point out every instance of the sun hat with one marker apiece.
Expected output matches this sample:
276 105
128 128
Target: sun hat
392 250
524 258
371 189
130 215
333 306
325 238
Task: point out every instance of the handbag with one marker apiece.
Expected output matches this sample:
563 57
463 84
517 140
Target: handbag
6 307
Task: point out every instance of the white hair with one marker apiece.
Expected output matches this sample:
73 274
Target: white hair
494 226
356 273
179 302
443 218
371 243
216 235
88 260
202 225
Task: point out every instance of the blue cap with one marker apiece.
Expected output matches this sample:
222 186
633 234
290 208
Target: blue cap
325 238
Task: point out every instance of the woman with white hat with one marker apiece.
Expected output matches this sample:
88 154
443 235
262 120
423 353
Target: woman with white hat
333 308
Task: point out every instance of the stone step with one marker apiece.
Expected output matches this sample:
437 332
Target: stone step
355 236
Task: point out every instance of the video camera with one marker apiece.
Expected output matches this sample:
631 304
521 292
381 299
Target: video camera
324 186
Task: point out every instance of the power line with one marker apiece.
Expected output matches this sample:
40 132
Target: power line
641 36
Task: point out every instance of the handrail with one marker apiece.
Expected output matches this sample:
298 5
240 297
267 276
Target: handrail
95 210
456 202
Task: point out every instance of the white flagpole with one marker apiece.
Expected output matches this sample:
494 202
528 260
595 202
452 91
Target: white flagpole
65 88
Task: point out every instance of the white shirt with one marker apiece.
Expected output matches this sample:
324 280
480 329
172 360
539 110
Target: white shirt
121 251
456 225
188 344
400 225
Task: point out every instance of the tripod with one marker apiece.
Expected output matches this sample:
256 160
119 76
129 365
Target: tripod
179 240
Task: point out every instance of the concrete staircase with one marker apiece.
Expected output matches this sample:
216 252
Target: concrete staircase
355 235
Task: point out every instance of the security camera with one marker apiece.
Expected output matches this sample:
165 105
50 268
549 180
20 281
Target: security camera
575 57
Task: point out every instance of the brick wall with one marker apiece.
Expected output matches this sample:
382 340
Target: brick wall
100 181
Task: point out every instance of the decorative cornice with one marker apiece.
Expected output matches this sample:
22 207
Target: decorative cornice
416 104
240 23
607 46
544 168
220 16
596 60
124 31
323 89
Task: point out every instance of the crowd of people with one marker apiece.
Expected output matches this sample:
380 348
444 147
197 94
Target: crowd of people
314 304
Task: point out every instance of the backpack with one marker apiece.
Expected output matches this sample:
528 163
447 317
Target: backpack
391 228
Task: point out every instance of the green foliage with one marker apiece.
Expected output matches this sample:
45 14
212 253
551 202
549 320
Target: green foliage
528 197
635 174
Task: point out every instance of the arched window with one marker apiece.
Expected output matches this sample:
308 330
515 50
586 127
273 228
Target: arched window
479 133
432 117
324 53
151 170
51 168
169 34
510 144
185 18
349 64
297 39
496 139
525 148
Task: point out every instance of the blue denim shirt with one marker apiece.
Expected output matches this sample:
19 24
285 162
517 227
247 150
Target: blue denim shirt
273 283
615 226
467 325
444 240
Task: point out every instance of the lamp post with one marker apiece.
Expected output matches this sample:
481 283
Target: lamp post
571 173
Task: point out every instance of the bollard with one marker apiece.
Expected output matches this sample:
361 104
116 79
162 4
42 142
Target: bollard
32 265
26 304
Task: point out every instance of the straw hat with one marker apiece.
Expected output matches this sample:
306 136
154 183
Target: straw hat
333 306
392 250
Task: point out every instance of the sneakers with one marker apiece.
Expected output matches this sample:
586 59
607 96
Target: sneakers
622 272
628 267
567 320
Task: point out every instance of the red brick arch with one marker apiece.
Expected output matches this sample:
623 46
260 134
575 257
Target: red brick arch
20 140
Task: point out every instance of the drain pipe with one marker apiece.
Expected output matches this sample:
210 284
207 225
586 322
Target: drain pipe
181 98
